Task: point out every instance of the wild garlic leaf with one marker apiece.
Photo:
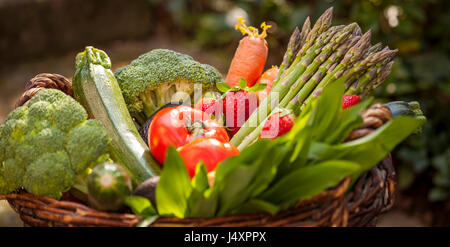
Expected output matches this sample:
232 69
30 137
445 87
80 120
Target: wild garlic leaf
140 205
174 186
308 181
201 203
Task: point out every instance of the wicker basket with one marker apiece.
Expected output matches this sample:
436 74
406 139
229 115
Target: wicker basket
372 195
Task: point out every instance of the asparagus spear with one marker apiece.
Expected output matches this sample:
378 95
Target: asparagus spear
376 82
339 73
312 83
375 48
306 29
357 31
292 49
355 81
338 39
353 54
322 24
358 85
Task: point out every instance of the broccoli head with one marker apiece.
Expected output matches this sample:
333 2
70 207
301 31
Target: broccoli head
160 76
48 143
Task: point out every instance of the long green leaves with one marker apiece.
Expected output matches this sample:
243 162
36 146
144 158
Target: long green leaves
371 149
174 186
308 181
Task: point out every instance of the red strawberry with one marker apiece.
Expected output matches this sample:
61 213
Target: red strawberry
350 100
209 105
237 108
277 125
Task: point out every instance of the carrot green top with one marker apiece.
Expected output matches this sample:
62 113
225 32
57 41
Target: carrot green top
252 31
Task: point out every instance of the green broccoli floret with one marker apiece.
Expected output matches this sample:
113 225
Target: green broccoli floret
13 171
49 175
91 133
151 80
47 144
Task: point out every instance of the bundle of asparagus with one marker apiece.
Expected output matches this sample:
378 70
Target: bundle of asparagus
316 57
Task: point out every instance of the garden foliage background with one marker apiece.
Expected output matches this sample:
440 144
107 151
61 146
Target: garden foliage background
52 31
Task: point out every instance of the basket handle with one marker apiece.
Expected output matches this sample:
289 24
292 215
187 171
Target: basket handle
45 80
374 117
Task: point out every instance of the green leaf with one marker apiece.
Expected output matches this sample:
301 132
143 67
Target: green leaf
257 206
223 87
140 205
371 149
242 83
201 203
200 179
326 112
174 186
348 120
245 176
147 221
258 87
308 181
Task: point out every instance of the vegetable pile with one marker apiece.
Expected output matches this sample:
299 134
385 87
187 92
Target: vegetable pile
48 144
256 142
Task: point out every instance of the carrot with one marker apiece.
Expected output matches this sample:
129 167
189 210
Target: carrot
250 56
267 77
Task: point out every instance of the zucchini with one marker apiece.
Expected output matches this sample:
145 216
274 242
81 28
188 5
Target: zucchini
412 109
108 184
96 88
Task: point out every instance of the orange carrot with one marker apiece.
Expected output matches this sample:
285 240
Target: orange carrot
267 77
250 56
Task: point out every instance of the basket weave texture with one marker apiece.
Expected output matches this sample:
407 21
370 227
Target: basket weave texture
370 196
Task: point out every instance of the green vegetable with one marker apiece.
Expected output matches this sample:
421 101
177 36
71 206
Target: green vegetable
402 108
95 86
108 184
269 176
173 187
143 207
48 145
153 79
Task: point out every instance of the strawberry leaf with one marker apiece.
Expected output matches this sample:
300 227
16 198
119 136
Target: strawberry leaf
242 83
223 87
258 87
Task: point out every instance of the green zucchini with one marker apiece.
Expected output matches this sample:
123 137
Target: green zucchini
96 88
402 108
108 184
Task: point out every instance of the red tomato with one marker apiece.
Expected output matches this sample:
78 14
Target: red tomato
179 125
208 150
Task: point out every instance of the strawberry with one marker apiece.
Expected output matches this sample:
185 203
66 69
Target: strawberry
277 125
237 108
210 106
350 100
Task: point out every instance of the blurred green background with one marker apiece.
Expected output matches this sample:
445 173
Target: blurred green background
43 36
